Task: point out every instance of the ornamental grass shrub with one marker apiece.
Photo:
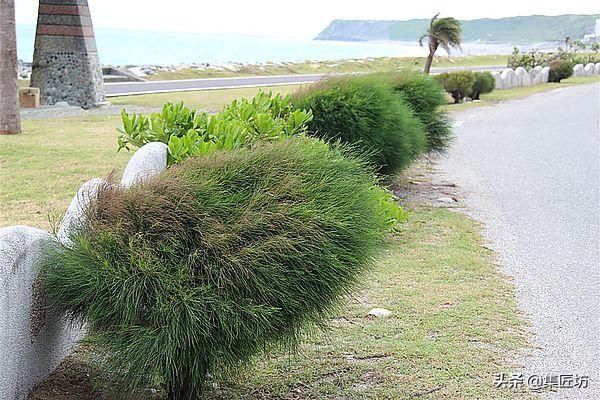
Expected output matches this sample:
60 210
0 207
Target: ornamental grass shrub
425 96
458 84
484 83
218 259
559 70
364 112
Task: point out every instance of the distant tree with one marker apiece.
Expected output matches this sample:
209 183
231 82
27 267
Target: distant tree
10 120
442 32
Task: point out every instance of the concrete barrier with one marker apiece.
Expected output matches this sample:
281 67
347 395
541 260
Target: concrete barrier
578 70
589 69
32 340
508 78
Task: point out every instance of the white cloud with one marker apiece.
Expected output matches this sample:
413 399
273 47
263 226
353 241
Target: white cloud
302 18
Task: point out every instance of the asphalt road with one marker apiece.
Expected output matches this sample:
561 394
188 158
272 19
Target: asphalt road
133 88
529 170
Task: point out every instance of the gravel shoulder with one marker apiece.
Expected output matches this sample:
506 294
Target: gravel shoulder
529 170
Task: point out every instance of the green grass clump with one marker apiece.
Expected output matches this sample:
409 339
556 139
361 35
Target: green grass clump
364 112
484 83
559 70
459 84
426 97
220 258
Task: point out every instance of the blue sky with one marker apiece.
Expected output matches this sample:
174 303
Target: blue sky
294 19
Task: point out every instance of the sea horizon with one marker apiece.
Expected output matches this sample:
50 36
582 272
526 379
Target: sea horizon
175 48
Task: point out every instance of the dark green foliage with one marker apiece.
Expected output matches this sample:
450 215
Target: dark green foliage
559 70
484 83
425 97
458 84
218 259
363 112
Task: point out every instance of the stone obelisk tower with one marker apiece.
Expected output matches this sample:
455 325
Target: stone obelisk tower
65 59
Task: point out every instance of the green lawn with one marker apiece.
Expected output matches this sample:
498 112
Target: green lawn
211 100
454 324
336 66
42 167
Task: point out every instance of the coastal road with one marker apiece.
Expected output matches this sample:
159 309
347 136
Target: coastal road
529 170
186 85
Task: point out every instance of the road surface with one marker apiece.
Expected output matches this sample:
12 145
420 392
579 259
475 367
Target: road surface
133 88
529 170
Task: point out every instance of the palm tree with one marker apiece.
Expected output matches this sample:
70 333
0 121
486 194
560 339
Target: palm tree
10 120
444 32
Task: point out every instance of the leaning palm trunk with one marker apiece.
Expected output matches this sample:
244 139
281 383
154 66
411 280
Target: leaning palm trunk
10 120
429 60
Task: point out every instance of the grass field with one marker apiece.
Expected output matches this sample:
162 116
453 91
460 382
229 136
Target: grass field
336 66
212 100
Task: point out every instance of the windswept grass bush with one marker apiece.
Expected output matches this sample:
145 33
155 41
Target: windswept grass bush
265 117
218 259
559 70
425 96
484 83
458 84
364 112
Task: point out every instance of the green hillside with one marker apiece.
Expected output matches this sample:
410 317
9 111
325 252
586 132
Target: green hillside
529 29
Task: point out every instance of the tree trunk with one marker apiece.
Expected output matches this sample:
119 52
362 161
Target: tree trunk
10 120
429 60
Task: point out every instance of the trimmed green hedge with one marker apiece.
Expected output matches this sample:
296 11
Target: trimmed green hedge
220 258
364 112
458 84
426 97
484 83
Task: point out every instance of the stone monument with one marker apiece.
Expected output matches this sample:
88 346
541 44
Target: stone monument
66 67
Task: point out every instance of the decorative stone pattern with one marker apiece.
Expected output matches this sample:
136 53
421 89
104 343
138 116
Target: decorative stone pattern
65 60
33 343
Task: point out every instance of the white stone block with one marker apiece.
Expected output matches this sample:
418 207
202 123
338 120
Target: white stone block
589 69
149 160
498 80
75 215
522 77
508 78
597 68
32 341
578 70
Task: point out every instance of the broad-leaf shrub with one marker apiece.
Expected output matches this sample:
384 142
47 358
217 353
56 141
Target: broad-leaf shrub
242 123
218 259
425 96
458 84
363 112
484 83
559 70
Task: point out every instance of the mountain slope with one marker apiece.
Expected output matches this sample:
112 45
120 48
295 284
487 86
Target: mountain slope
529 29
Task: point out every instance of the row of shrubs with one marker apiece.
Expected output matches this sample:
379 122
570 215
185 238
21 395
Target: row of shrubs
464 84
532 59
267 215
390 118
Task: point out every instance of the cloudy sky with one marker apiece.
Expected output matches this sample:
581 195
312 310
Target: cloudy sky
288 18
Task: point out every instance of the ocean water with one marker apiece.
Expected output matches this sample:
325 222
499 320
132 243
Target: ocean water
122 47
